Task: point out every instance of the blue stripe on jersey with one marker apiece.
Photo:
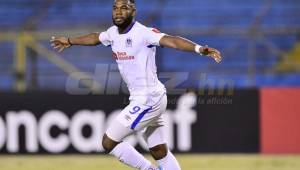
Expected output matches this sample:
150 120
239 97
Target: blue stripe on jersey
151 46
139 118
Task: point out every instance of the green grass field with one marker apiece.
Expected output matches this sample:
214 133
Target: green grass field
188 162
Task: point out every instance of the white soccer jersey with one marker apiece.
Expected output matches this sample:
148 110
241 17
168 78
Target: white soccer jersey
134 53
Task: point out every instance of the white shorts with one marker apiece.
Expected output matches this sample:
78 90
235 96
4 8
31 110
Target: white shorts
139 117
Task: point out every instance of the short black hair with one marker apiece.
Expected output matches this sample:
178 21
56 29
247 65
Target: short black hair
131 1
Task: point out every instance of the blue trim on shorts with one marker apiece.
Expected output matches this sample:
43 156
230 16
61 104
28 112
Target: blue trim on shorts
139 118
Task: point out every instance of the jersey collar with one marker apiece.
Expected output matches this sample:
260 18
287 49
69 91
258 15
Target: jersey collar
129 28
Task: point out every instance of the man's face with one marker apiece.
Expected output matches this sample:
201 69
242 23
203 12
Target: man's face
123 13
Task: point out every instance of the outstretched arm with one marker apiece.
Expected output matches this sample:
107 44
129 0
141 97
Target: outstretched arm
62 43
183 44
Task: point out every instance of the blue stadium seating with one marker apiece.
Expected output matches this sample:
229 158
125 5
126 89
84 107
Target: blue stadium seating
177 15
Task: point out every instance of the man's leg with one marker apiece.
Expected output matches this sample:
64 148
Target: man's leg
159 150
112 143
165 159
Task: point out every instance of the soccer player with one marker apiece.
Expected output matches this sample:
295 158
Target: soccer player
134 48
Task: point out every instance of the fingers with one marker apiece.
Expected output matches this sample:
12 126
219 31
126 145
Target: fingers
55 43
207 50
217 57
53 39
61 49
56 47
214 53
58 44
212 50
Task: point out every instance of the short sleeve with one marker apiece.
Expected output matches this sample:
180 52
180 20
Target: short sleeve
153 36
105 38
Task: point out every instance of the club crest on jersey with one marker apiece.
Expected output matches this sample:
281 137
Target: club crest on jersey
128 42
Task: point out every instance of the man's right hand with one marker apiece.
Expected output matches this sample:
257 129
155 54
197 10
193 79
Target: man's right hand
60 43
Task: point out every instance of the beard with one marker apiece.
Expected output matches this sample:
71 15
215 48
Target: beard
123 25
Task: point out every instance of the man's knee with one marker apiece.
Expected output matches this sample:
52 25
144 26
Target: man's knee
158 152
108 144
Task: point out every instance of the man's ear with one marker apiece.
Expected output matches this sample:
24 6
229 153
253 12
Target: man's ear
133 10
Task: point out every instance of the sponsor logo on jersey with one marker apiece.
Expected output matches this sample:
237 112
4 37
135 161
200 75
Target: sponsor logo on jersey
122 56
